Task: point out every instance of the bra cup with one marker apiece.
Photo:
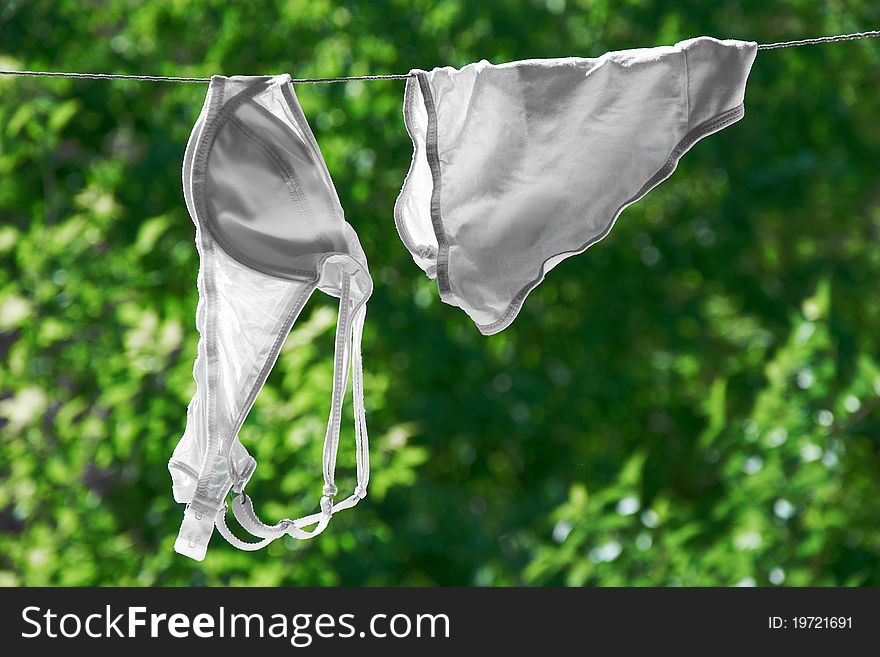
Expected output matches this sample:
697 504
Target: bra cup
270 207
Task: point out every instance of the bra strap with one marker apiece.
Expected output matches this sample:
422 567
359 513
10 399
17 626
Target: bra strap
340 378
349 332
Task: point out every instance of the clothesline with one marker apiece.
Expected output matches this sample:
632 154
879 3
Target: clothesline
392 76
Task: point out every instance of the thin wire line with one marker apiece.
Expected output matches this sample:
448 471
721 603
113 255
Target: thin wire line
393 76
103 76
826 39
162 78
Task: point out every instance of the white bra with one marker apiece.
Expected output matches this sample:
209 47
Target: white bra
269 231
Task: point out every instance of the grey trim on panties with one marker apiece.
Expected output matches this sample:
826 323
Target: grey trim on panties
434 164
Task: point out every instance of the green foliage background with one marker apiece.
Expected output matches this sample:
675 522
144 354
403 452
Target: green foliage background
692 402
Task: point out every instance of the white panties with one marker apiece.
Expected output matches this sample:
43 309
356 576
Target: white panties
519 166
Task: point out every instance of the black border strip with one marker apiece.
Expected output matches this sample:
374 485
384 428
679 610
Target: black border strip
686 621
